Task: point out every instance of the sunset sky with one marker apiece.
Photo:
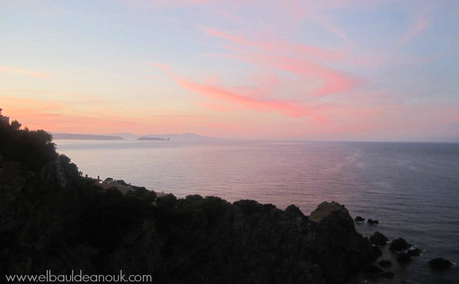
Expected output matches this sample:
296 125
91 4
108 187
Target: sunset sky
381 70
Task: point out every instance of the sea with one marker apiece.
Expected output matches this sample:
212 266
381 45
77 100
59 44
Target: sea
412 189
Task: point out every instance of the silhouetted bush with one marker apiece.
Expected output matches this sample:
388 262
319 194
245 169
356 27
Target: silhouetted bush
70 169
145 194
166 202
16 125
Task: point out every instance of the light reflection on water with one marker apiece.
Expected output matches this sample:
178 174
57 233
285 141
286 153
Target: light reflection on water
412 188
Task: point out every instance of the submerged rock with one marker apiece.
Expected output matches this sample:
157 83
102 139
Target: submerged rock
440 263
414 251
378 239
399 245
372 222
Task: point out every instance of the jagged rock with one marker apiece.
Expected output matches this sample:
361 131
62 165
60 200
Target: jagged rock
334 211
399 245
372 222
359 219
404 258
386 274
378 239
54 173
440 263
385 263
292 209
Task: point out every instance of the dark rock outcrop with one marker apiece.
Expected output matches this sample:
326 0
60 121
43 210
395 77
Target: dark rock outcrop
399 245
378 239
293 210
359 219
440 263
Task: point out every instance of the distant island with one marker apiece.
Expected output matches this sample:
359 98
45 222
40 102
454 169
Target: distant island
147 138
69 136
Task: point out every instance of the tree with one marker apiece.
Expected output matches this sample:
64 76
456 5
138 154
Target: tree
16 124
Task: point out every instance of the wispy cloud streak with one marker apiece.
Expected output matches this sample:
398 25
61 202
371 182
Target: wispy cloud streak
21 71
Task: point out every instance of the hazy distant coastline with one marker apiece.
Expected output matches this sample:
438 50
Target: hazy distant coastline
184 136
69 136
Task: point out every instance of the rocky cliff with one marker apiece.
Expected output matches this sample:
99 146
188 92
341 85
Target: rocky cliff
51 218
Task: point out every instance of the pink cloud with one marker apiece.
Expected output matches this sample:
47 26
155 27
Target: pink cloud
332 81
293 109
278 46
419 26
327 24
159 65
272 55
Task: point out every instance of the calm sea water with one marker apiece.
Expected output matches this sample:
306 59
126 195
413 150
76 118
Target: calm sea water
411 188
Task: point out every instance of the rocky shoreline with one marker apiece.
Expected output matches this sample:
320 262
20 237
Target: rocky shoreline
396 256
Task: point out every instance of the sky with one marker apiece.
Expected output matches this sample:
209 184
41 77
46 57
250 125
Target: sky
365 70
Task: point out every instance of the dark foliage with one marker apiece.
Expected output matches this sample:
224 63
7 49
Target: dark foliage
33 149
111 215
